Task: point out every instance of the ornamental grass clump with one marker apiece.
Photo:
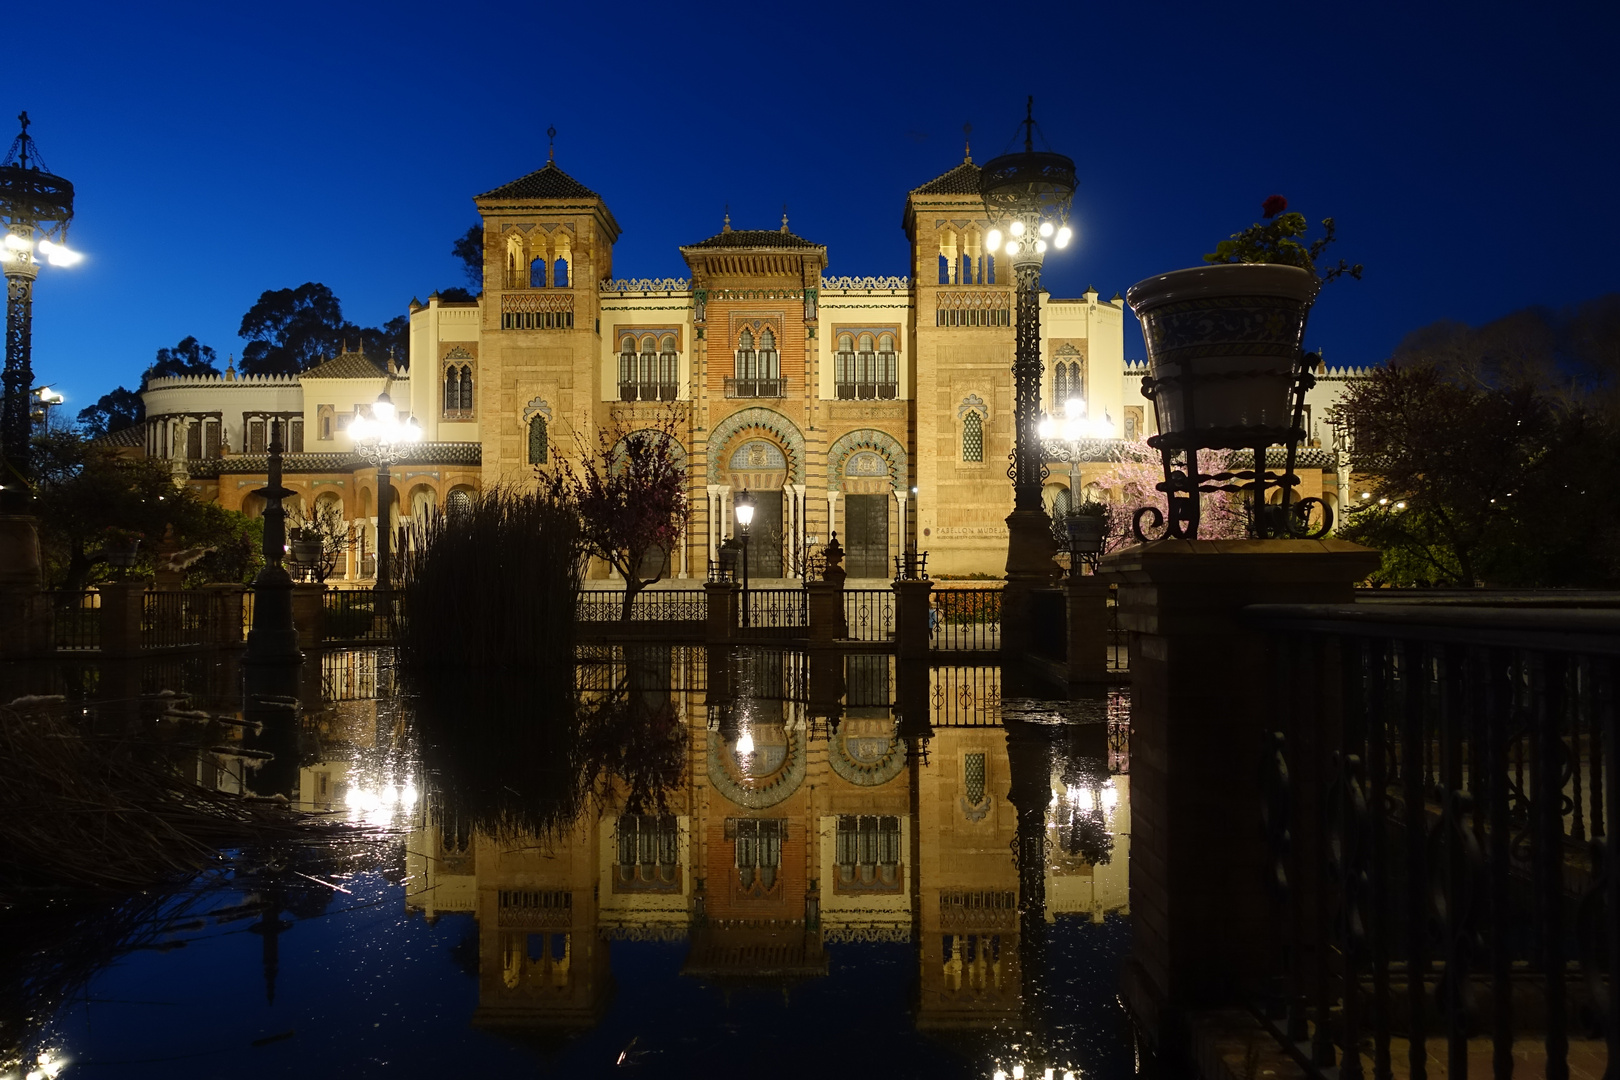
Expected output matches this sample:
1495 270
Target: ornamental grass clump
1280 240
492 585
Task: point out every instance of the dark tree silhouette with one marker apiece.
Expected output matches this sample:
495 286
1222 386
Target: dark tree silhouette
469 248
289 330
114 411
190 357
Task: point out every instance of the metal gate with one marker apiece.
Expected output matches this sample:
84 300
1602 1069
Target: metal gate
866 540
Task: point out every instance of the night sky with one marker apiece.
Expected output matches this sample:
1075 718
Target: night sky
1468 151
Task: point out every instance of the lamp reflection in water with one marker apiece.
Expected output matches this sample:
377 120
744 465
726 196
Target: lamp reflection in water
46 1066
1019 1074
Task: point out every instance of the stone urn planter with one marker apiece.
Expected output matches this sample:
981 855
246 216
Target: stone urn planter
1223 343
306 552
1085 533
121 553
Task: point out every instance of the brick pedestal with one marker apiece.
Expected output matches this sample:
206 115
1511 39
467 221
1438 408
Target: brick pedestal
722 604
826 602
122 605
309 611
1088 629
1201 921
911 618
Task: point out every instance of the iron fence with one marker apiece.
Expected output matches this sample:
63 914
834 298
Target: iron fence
76 620
359 615
965 619
177 619
1119 640
869 614
1439 794
652 605
965 696
777 613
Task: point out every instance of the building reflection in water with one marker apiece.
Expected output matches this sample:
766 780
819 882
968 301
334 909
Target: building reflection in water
824 799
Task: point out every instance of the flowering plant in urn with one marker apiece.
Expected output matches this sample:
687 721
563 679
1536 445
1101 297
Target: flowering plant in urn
1278 241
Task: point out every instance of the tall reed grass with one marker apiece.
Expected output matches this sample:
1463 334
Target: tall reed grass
493 585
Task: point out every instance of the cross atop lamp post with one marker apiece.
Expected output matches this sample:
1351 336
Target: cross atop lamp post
381 439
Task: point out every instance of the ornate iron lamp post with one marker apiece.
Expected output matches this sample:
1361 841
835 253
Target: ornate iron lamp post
381 438
1026 196
35 208
744 508
1073 438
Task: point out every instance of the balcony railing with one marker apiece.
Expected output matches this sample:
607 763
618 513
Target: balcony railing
638 391
756 388
866 391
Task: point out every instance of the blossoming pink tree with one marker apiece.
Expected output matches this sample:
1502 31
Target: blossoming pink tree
1134 481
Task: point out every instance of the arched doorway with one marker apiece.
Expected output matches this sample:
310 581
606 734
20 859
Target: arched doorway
868 497
760 468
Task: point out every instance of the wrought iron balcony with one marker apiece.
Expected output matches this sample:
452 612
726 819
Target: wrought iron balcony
639 391
756 388
864 391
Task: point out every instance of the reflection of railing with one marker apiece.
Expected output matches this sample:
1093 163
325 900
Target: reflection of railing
78 619
652 605
966 619
962 696
171 620
777 613
356 615
1442 782
869 614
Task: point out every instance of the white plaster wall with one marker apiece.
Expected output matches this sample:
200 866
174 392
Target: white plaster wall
865 307
627 311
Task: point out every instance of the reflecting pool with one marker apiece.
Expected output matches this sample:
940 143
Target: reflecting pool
686 860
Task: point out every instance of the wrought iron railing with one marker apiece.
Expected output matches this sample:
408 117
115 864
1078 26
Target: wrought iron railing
777 613
965 619
756 388
649 391
359 615
965 696
869 614
1119 640
862 391
652 605
1439 791
77 620
176 619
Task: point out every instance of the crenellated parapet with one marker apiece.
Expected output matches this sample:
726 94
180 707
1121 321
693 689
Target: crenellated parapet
170 382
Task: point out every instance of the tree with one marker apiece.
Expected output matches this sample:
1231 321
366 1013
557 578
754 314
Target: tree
1473 474
1134 480
455 294
289 330
469 248
190 357
114 411
84 490
631 498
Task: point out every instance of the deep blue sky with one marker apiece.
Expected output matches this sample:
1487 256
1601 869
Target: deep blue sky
1468 151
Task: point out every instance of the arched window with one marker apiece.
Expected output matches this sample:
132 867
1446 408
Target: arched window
865 367
668 369
973 437
514 261
649 368
627 368
452 388
537 441
537 273
844 367
559 273
466 389
887 370
458 502
770 363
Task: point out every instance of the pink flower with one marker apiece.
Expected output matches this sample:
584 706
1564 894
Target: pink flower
1274 205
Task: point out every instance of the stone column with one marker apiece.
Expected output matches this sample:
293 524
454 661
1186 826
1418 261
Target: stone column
1201 921
911 617
1088 629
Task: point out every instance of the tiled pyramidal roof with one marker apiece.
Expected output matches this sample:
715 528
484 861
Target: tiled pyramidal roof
962 180
755 238
549 182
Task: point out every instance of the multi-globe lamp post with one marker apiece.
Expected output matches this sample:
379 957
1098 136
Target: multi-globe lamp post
381 439
1026 197
35 209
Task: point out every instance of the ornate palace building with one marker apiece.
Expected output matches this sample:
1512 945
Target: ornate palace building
879 408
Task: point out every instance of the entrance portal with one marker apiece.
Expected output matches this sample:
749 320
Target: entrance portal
764 535
866 536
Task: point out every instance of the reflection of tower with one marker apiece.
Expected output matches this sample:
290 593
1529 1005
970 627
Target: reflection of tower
1029 753
269 928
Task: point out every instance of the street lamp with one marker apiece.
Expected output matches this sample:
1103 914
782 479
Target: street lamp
1026 196
35 208
45 399
1073 438
743 506
381 438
